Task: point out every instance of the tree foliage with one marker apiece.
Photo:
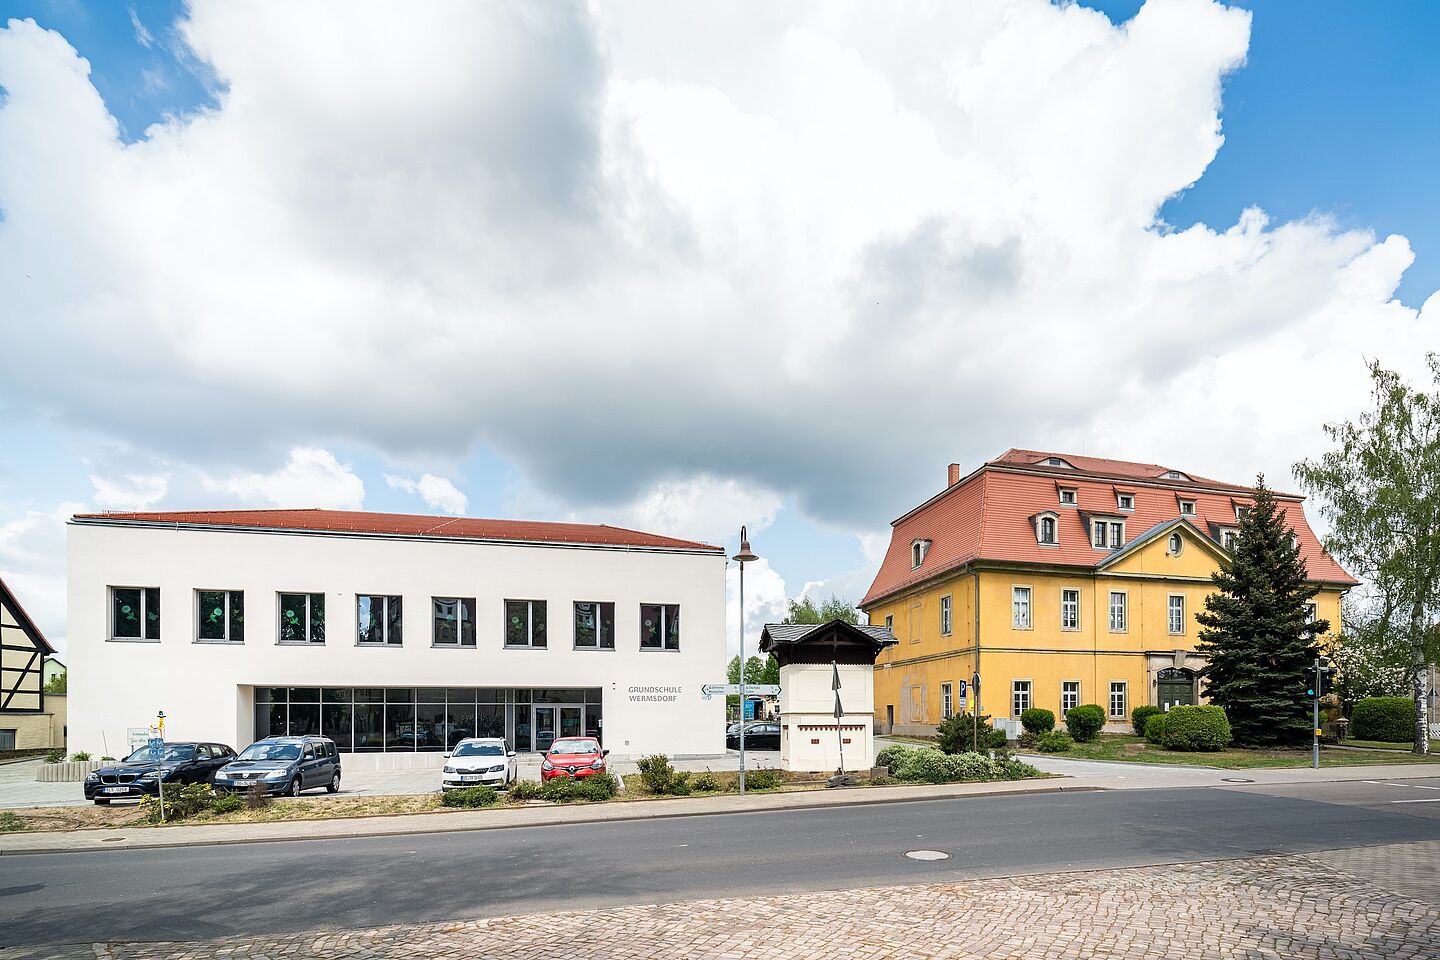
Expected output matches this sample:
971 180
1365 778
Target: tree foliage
55 686
804 610
1379 488
1255 633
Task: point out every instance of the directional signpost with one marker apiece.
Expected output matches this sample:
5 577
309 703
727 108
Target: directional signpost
733 689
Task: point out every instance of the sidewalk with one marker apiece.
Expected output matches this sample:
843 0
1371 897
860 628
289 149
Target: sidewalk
1113 776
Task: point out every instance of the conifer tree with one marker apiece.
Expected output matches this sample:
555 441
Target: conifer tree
1254 631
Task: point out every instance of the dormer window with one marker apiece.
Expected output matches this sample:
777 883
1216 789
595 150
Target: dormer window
1125 501
1047 530
1228 538
918 549
1174 475
1187 508
1240 510
1108 534
1056 462
1068 497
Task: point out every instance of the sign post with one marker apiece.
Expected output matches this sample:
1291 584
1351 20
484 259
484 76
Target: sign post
157 754
975 724
839 715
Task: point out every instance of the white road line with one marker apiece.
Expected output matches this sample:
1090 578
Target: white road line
1426 800
1386 783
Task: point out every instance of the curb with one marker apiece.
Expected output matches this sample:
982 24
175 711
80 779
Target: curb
103 844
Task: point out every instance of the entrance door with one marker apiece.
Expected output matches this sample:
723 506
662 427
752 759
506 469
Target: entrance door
544 728
572 721
1175 687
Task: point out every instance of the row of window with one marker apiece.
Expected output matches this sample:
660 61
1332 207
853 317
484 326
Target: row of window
1022 617
380 620
1070 697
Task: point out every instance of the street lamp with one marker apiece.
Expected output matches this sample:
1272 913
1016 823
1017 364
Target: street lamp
744 556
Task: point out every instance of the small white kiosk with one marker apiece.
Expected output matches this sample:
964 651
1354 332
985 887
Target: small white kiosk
827 693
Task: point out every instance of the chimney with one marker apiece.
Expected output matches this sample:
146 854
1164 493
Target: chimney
954 475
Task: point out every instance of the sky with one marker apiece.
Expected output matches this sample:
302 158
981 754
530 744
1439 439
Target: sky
681 267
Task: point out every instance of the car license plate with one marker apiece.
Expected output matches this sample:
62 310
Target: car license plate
114 789
470 778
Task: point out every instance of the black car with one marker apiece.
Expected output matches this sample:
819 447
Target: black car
284 765
759 735
138 775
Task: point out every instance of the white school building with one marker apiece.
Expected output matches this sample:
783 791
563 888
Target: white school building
395 635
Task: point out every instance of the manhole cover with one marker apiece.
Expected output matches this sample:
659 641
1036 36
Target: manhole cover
927 855
1235 780
111 839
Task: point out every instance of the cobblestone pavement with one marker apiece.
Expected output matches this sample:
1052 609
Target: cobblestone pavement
1338 905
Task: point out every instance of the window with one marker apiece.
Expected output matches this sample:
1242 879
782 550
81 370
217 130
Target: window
947 702
1107 533
1067 497
1069 609
1056 462
918 550
1177 614
1117 611
1177 544
302 618
525 623
1175 475
454 621
1125 501
1187 508
890 623
1045 530
945 616
659 626
7 738
1228 539
220 616
135 613
1117 699
1311 613
1240 510
1069 695
594 626
1019 697
1020 608
378 619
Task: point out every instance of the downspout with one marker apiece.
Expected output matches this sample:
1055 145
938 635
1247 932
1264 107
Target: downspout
976 607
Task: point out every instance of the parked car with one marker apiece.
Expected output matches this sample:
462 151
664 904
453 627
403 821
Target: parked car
285 765
760 735
138 774
573 757
479 760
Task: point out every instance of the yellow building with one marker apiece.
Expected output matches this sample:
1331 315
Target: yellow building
1060 580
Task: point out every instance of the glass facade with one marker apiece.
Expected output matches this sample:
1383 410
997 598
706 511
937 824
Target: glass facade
409 719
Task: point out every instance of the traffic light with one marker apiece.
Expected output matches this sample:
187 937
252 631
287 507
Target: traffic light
1325 678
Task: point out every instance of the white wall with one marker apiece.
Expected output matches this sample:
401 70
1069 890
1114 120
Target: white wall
807 713
203 687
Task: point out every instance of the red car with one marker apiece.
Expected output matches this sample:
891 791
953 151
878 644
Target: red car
573 757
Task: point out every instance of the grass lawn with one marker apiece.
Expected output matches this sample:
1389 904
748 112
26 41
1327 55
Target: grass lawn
1133 749
1384 745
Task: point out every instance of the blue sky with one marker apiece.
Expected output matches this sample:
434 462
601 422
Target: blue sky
820 361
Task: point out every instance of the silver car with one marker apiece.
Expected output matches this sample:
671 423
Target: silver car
478 761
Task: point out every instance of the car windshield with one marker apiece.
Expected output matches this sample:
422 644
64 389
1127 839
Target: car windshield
173 752
574 746
479 750
271 751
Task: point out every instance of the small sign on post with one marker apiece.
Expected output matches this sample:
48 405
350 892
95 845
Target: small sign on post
733 689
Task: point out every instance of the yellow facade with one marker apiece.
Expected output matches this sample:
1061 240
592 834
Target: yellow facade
911 677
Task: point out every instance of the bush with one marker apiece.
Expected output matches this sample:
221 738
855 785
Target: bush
1038 720
1055 741
179 803
9 822
80 756
522 790
1388 719
763 780
1196 728
707 782
889 756
1140 716
478 796
928 765
660 778
959 734
1155 729
228 803
255 796
1084 722
107 757
591 789
55 756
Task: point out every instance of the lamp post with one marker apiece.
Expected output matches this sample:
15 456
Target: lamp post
745 555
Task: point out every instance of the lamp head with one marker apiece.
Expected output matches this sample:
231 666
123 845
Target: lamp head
746 554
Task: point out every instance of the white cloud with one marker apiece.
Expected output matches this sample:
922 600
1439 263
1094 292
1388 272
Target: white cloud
642 267
129 491
32 561
765 602
310 478
435 491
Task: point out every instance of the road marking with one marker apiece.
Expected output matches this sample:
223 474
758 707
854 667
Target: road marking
1416 786
1426 800
927 855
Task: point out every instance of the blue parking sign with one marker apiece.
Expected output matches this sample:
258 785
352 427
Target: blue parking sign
157 748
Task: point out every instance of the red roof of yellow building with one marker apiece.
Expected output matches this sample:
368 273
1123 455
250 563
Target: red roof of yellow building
990 515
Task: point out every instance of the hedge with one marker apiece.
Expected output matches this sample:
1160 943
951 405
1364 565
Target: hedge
960 733
1055 741
928 765
477 796
1196 728
1085 722
1140 716
1155 729
1038 720
1388 719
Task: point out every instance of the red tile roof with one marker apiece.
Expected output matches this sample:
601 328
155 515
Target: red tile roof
406 525
987 516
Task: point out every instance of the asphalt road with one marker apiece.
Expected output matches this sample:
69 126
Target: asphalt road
202 892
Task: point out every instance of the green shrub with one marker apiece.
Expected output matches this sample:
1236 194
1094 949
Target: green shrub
1196 728
889 756
660 778
107 757
928 765
80 756
594 788
1155 729
959 734
522 790
1055 741
227 803
763 780
477 796
1084 722
1140 716
55 756
179 803
9 822
707 783
881 781
256 796
1388 719
1038 720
